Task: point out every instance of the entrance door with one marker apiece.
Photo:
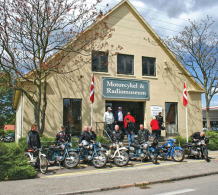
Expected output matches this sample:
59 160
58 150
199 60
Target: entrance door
135 108
171 113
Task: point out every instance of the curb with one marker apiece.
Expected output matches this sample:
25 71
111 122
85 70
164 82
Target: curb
140 184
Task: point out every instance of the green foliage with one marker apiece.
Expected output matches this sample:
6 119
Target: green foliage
7 114
13 164
180 141
2 132
213 140
102 139
22 143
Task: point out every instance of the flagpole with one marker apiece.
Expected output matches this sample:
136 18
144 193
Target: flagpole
186 123
92 115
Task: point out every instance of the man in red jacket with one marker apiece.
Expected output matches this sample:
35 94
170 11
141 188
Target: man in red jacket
130 117
155 127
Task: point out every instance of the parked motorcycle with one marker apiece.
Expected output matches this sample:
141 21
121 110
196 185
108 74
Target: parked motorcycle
8 138
145 150
92 152
36 158
118 153
63 153
169 150
198 149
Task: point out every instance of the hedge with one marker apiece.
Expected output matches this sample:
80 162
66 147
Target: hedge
13 164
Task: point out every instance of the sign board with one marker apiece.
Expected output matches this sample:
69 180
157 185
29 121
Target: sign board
125 88
155 110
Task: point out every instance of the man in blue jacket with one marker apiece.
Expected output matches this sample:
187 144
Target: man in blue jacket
119 118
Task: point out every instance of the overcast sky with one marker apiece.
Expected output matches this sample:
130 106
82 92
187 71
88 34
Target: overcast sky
168 17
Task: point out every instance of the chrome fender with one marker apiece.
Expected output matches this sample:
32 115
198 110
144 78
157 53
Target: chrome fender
120 149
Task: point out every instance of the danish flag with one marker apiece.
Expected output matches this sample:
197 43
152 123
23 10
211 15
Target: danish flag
92 90
185 99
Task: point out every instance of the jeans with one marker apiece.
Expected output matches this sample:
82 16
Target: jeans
156 133
131 138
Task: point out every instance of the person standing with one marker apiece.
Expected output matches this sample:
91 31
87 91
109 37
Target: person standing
119 118
62 136
109 120
160 121
130 117
130 131
33 139
155 127
143 134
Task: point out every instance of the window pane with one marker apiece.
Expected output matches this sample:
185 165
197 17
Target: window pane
72 116
171 117
99 61
148 66
125 64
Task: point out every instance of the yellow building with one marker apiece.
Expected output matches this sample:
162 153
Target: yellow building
140 74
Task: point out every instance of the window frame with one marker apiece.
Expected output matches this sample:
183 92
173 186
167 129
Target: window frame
99 65
149 67
124 73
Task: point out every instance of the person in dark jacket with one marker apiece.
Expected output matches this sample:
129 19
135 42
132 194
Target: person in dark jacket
92 133
85 135
62 136
160 121
119 118
117 134
197 136
33 139
143 134
130 131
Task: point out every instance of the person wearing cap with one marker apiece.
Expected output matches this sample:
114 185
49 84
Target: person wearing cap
109 120
62 136
119 118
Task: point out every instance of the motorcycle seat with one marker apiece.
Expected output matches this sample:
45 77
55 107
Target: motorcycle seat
135 146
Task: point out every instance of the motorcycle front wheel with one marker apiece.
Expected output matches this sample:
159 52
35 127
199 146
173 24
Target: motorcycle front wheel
205 154
43 164
99 159
122 159
178 155
72 160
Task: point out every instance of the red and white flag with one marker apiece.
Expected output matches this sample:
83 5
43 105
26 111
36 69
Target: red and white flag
92 90
185 99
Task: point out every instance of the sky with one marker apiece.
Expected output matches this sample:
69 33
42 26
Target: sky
169 17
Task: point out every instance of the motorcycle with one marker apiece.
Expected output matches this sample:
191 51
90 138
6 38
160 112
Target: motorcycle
36 158
8 138
63 153
169 149
145 150
117 153
197 149
92 152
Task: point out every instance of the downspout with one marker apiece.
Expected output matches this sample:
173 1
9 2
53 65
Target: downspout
21 116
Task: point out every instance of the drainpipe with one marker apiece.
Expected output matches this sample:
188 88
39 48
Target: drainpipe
21 116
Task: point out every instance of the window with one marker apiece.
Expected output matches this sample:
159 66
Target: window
171 118
99 61
72 116
125 64
148 66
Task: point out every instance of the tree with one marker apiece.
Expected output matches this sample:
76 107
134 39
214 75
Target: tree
196 47
7 114
35 37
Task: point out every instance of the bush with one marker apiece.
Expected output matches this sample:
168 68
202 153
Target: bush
180 141
22 143
213 140
102 139
13 164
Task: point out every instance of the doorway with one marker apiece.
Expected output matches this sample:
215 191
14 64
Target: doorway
135 108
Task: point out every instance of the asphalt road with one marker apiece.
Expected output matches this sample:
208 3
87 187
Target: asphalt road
87 178
196 186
